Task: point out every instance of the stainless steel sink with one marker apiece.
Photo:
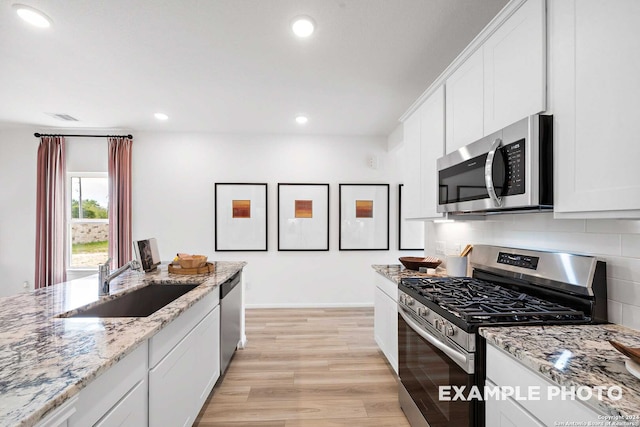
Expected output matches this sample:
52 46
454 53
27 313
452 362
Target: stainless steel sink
142 302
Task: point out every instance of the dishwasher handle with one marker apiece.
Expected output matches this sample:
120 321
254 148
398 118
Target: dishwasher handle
228 285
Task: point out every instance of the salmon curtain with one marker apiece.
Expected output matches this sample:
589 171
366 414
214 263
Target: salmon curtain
50 212
120 241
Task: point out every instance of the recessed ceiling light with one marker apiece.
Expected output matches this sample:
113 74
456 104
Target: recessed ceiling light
32 16
161 116
303 26
302 119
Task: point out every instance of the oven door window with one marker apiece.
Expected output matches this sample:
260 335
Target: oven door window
423 369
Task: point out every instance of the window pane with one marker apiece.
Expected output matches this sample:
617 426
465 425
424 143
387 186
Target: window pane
89 198
89 244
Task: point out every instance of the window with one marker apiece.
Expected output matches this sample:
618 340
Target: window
88 220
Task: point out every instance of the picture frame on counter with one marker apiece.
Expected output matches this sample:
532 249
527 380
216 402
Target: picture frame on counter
410 233
364 217
240 216
303 217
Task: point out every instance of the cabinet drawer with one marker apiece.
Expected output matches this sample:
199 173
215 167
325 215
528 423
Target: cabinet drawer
105 391
162 342
131 411
504 370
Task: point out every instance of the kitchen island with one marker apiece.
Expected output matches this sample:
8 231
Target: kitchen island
46 360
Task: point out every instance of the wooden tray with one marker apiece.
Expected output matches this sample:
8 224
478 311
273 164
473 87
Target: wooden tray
207 268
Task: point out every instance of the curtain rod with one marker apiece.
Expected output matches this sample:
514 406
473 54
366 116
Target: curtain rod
38 135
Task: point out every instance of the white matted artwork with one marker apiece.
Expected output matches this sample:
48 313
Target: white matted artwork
303 217
410 232
364 217
240 217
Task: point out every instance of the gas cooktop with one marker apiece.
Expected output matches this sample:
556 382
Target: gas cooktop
478 301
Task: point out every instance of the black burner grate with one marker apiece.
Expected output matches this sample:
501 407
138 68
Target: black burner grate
477 301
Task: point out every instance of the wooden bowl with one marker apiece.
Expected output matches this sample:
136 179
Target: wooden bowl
192 261
414 263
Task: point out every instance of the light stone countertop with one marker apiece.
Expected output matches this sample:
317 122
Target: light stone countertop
590 360
45 360
397 272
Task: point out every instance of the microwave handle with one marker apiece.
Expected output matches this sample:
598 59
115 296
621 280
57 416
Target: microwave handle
488 173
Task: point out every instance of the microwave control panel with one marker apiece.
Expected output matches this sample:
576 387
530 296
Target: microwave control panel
514 158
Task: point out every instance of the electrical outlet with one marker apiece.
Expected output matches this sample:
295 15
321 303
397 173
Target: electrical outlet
440 247
456 249
25 284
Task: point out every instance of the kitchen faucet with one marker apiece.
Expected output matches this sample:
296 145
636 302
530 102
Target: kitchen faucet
105 277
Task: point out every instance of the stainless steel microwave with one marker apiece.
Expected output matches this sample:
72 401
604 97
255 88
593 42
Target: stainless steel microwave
509 170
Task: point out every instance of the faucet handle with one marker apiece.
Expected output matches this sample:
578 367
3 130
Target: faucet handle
106 264
135 265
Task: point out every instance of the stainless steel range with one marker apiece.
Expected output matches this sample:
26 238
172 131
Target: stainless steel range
438 320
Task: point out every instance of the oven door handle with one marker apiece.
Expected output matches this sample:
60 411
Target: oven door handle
488 173
458 357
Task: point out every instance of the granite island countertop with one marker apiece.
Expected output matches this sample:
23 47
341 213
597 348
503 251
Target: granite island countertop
45 360
591 362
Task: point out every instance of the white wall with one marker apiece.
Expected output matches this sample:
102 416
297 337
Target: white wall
18 150
173 182
615 241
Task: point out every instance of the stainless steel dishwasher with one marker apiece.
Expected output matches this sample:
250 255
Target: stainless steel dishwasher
230 312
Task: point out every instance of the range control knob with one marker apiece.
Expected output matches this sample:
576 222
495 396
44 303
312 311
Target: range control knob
422 311
403 298
450 330
410 301
437 324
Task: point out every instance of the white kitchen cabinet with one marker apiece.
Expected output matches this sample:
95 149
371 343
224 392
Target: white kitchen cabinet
539 410
515 68
115 387
131 410
385 320
502 81
595 99
465 103
424 144
180 382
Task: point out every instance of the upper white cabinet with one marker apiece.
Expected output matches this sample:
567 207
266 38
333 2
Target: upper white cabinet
503 80
595 99
515 68
465 103
423 145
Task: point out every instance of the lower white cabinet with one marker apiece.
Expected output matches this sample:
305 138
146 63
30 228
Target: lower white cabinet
385 319
180 383
59 417
533 409
131 410
115 393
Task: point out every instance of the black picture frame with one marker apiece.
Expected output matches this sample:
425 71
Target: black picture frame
368 230
242 228
310 230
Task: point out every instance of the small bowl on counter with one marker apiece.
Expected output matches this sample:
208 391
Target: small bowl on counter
414 263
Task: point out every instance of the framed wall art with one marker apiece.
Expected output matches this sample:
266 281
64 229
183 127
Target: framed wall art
364 217
410 233
303 217
240 217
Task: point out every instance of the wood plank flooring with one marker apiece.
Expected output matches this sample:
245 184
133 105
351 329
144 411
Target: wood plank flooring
306 368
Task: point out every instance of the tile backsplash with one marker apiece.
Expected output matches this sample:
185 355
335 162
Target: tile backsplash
615 241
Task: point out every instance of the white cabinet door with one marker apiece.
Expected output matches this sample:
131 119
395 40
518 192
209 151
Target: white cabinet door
385 320
465 103
423 145
431 149
411 166
507 413
595 93
515 68
178 381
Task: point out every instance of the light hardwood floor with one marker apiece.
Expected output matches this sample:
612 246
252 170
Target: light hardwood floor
306 368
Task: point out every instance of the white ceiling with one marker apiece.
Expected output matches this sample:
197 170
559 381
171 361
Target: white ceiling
230 66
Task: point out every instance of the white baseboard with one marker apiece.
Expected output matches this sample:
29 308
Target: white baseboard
311 305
